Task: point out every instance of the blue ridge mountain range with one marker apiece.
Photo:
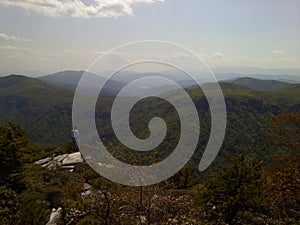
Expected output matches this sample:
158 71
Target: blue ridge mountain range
44 104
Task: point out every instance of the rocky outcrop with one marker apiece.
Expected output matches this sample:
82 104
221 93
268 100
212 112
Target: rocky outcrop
55 216
72 159
66 161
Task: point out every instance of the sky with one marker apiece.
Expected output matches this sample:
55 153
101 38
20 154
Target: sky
39 37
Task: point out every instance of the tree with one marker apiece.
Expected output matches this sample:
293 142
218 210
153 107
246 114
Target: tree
33 209
9 204
13 143
238 188
283 176
285 132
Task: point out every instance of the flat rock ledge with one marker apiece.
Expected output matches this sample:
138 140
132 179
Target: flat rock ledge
66 161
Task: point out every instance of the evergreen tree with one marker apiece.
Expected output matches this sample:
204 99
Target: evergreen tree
238 188
13 144
9 204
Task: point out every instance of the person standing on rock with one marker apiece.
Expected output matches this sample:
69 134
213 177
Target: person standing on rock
75 135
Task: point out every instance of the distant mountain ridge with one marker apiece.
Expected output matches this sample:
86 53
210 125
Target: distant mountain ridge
41 108
257 84
70 80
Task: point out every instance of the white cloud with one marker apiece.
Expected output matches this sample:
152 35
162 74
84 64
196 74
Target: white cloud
13 48
78 8
16 56
15 59
277 52
70 52
7 37
283 59
176 55
217 55
278 56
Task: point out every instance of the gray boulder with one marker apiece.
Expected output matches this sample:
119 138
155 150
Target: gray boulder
43 161
55 216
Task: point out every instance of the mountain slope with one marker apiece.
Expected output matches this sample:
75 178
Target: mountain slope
31 88
41 109
65 79
70 79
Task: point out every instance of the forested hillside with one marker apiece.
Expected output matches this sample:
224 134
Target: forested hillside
246 184
246 191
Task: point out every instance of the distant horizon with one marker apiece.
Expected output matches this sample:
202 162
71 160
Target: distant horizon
217 70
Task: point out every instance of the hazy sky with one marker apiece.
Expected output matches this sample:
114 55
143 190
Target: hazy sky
45 36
